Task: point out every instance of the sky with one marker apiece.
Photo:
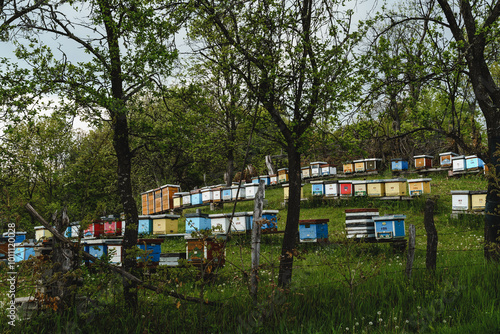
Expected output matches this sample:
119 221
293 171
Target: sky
361 8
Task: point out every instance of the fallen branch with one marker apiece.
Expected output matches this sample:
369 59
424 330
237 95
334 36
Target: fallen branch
116 269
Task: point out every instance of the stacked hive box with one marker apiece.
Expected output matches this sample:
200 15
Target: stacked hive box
359 223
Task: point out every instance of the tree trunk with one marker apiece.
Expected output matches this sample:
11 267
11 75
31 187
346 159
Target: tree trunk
256 234
124 156
492 209
293 213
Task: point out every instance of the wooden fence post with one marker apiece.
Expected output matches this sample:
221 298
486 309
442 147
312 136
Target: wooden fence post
256 234
432 236
411 250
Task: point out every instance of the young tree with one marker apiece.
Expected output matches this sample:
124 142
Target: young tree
295 59
129 46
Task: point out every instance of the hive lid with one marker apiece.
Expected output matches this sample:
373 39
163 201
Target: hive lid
396 180
314 221
447 153
397 159
479 192
471 157
319 163
166 215
423 156
373 159
389 217
460 192
419 180
359 181
316 182
458 157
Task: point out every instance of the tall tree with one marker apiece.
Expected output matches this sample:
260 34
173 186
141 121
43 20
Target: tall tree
294 57
474 32
129 46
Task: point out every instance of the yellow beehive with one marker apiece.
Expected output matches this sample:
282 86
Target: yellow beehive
144 200
359 166
395 187
286 191
375 188
158 203
165 224
478 199
419 186
151 202
359 187
42 233
348 167
282 175
177 200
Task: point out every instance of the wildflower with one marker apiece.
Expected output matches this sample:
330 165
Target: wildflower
380 320
396 327
407 321
379 312
395 318
444 321
370 323
347 328
357 324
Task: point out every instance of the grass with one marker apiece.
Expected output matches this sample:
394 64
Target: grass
340 287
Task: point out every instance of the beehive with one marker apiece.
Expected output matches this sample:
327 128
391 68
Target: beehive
197 221
144 202
24 251
359 187
158 201
305 172
472 162
239 222
145 225
327 170
399 164
152 248
96 247
115 253
219 222
348 167
345 187
226 194
286 191
478 199
167 195
208 251
316 168
251 190
94 230
373 164
359 166
395 187
460 200
313 230
165 224
217 194
331 188
266 179
458 163
318 188
18 236
177 200
273 179
151 202
419 186
389 227
112 226
206 195
255 179
375 188
238 194
196 198
171 259
283 175
423 161
445 159
359 223
186 199
269 220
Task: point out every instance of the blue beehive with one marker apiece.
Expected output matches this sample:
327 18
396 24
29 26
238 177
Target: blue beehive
196 197
473 162
96 248
18 237
389 227
255 179
197 221
318 188
399 164
153 248
313 230
226 194
145 225
24 251
270 217
266 179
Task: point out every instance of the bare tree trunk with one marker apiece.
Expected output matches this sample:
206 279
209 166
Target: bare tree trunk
256 234
432 236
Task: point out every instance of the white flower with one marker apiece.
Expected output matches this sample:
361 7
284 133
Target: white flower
370 323
347 328
444 321
380 320
395 318
379 312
